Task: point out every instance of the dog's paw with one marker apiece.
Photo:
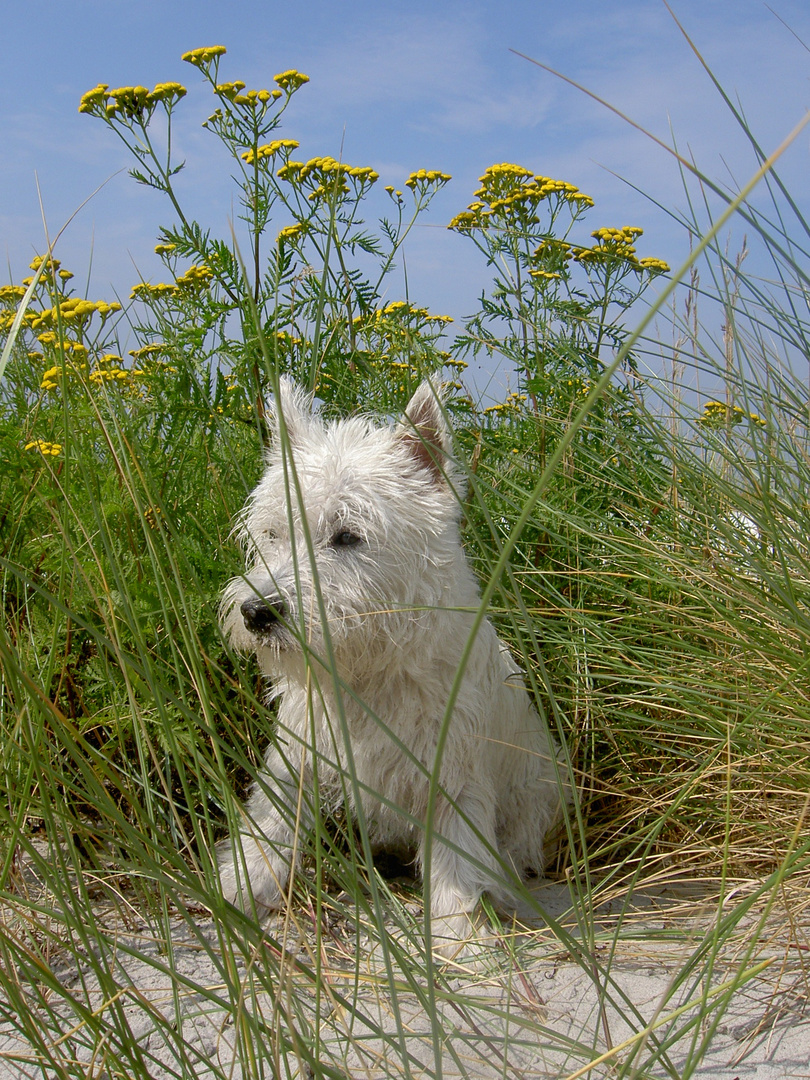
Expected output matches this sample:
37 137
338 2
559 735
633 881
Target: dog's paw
253 879
452 933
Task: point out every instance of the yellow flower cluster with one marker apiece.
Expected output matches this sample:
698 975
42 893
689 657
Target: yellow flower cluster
11 294
401 308
423 179
147 351
269 150
326 176
196 277
110 375
202 57
655 266
165 249
290 80
613 245
47 449
619 242
506 174
7 319
291 232
168 91
509 188
597 254
107 370
50 379
286 81
143 290
50 337
514 403
74 309
467 220
94 99
718 414
254 98
51 267
628 234
397 306
130 101
538 191
229 89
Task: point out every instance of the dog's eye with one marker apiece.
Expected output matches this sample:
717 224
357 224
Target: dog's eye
345 539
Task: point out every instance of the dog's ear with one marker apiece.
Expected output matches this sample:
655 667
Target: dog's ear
425 433
291 409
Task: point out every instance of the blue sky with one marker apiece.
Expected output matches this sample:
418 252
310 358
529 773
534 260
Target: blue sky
401 87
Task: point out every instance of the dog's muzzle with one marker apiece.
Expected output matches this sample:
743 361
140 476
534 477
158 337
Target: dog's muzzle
262 616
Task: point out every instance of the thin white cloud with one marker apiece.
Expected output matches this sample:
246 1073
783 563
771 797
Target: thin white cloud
441 73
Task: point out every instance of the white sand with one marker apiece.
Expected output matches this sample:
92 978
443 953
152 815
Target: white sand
509 1019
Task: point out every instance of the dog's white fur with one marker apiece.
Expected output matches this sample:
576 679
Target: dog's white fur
359 604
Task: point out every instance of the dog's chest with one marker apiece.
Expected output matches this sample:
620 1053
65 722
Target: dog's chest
394 749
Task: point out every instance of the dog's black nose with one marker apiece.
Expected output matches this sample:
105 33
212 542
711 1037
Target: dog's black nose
261 615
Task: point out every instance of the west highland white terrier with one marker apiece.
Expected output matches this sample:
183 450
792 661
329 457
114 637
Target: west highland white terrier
359 604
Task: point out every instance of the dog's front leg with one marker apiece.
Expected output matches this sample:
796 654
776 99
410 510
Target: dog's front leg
462 864
255 865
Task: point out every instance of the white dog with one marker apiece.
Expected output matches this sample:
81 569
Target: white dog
360 605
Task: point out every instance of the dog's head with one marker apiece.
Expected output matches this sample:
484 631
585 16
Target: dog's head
351 535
